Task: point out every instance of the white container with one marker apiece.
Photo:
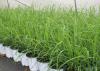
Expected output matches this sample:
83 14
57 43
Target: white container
43 66
2 49
25 60
17 56
9 52
33 64
55 70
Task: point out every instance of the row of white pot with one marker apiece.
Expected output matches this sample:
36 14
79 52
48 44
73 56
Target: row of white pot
33 64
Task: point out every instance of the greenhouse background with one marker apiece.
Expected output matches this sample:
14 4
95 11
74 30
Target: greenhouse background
48 3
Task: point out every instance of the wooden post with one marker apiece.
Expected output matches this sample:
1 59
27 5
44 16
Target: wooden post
75 3
8 4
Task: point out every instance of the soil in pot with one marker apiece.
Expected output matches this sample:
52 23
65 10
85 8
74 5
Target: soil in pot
6 43
43 59
21 50
31 55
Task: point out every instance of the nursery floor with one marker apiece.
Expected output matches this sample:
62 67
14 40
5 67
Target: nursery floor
9 65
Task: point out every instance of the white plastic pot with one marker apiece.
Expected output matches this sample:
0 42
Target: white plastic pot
9 52
2 49
33 64
55 70
1 46
43 66
17 56
25 60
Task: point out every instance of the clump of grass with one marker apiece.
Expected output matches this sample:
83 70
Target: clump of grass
58 37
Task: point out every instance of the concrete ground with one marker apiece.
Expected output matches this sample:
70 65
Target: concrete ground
9 65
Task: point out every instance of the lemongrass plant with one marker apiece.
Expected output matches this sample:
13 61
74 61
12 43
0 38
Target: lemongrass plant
53 36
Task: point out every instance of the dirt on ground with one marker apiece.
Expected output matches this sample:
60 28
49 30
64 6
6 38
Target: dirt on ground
9 65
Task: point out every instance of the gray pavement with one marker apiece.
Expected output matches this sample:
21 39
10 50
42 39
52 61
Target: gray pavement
9 65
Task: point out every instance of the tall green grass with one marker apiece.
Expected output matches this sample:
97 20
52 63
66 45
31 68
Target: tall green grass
62 38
